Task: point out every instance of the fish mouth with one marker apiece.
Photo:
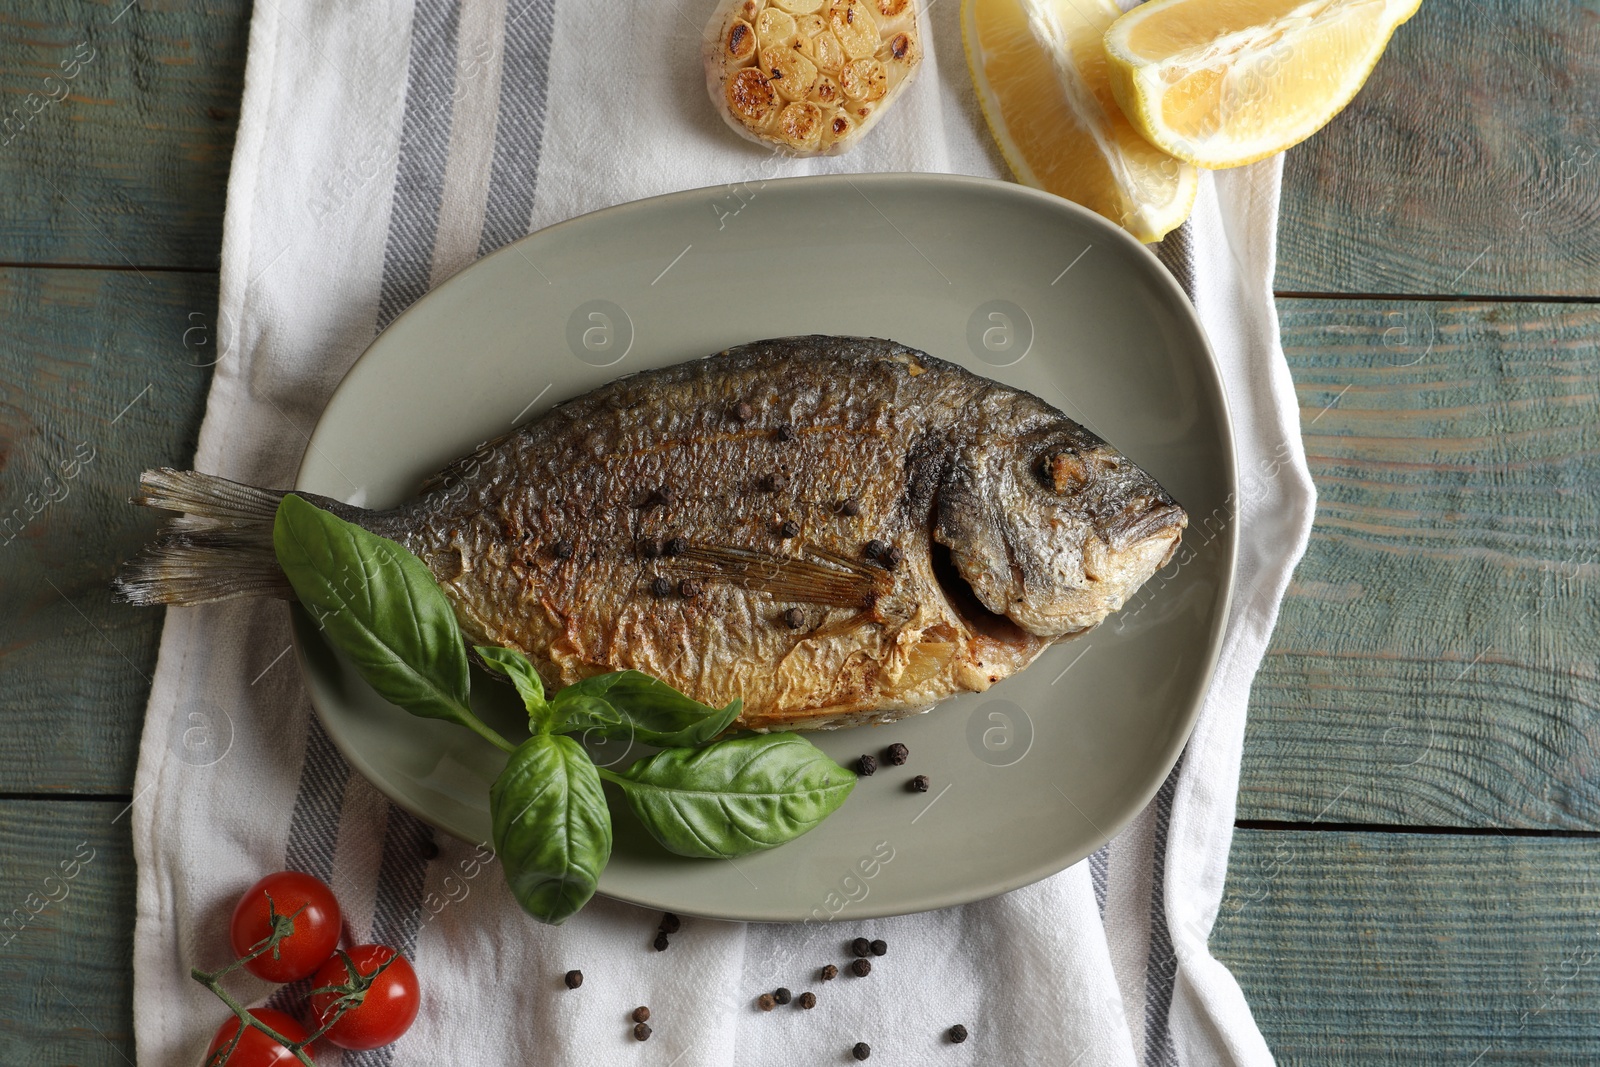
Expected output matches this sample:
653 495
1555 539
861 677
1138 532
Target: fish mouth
979 619
1134 525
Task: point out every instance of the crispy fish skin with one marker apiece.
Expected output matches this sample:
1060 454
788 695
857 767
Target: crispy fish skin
643 525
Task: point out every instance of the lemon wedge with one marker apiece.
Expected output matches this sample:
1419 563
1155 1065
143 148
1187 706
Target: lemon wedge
1040 70
1221 83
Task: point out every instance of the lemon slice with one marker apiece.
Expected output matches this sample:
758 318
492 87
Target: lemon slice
1221 83
1040 71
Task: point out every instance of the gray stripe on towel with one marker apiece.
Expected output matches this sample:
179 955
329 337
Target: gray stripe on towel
1161 967
313 829
407 265
424 150
519 129
408 252
314 823
396 917
1176 252
1099 870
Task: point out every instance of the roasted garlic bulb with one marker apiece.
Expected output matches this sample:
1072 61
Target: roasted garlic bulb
809 76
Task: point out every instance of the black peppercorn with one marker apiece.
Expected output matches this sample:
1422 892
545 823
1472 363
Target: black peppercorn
689 587
661 587
675 547
795 618
894 557
829 973
641 1032
807 1001
919 784
774 483
641 1014
861 946
896 754
785 432
670 923
574 979
867 764
650 548
849 507
861 1051
879 947
661 942
782 995
958 1033
862 968
743 412
874 549
766 1002
790 528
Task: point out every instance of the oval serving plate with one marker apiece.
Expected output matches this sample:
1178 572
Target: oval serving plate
1015 284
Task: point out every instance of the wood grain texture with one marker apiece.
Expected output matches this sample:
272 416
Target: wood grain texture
1408 949
66 933
99 382
1470 162
1437 659
116 129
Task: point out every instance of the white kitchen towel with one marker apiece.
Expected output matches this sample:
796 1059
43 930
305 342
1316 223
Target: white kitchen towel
384 145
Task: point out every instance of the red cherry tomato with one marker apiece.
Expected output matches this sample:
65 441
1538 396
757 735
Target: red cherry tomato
316 928
382 1013
256 1049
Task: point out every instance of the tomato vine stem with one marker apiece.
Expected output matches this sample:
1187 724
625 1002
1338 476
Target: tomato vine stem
282 927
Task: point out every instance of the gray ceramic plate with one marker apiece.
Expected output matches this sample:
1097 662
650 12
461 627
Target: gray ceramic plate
1015 284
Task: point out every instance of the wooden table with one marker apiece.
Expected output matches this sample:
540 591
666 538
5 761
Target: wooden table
1413 878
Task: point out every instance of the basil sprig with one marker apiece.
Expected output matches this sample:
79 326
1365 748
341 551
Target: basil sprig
735 797
552 827
378 603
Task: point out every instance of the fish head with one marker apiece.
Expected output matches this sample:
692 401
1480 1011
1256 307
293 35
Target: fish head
1054 531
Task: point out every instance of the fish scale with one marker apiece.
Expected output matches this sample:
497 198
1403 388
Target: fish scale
1004 527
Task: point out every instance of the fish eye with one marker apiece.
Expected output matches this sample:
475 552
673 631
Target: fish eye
1065 471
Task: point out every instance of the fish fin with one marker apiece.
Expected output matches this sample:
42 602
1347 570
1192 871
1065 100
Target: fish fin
220 548
828 579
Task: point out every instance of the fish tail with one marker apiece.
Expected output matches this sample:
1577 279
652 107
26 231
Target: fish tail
218 549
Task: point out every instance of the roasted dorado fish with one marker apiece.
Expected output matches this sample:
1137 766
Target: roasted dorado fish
837 530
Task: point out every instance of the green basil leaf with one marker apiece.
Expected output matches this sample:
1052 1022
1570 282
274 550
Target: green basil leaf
631 705
552 829
736 796
379 604
515 666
